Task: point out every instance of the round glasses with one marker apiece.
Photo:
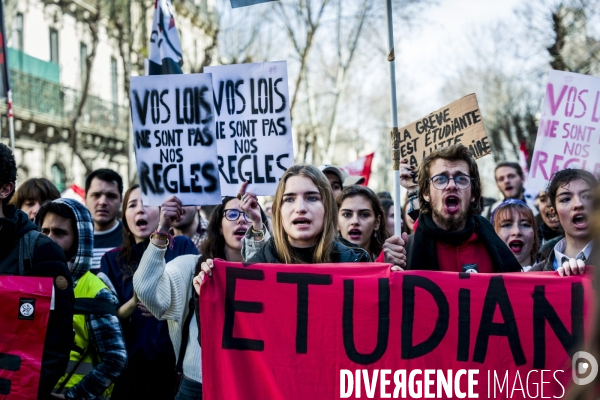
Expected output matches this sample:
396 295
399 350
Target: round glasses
233 215
440 182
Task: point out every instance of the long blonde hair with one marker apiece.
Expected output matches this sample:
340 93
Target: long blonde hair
282 245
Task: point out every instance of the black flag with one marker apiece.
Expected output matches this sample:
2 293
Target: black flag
165 47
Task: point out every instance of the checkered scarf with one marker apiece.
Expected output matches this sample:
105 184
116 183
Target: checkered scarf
85 231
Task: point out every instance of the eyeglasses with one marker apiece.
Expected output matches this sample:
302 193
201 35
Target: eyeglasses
233 215
440 182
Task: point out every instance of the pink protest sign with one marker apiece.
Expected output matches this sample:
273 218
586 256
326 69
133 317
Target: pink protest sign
569 132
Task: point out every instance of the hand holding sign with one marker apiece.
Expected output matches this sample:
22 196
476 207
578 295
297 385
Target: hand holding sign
394 251
200 279
249 205
408 176
170 211
571 267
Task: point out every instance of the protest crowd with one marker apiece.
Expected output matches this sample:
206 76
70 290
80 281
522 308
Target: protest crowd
139 269
129 264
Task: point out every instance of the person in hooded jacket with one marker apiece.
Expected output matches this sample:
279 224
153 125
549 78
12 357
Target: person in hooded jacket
45 259
99 353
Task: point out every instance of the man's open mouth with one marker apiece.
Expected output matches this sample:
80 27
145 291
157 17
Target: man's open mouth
516 246
451 203
580 221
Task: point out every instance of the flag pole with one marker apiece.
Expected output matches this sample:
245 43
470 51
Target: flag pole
395 135
6 83
11 119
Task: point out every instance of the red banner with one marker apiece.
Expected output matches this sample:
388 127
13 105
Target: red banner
24 312
361 331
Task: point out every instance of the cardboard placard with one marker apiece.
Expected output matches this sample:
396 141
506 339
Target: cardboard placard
458 122
174 140
569 134
330 331
254 127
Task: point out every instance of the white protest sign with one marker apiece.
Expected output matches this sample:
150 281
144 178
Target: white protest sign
254 127
174 140
568 134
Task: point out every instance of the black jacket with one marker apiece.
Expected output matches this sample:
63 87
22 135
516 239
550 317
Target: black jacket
343 251
48 261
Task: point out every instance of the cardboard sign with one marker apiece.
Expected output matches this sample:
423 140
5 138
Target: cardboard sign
458 122
24 313
254 127
333 331
569 134
174 140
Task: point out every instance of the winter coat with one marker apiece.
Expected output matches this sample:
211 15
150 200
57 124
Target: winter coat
342 252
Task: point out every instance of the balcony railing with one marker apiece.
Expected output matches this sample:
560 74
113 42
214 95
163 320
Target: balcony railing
45 98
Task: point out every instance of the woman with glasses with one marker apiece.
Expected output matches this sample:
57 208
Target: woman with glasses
151 360
166 287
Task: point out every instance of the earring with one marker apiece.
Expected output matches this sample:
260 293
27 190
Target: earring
374 234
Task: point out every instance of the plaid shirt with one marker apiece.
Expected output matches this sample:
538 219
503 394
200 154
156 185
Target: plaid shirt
200 235
109 348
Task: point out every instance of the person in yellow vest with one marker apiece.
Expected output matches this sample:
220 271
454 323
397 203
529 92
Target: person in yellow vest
98 355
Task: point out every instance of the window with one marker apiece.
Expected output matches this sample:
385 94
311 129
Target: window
18 33
114 77
83 53
53 46
114 81
58 177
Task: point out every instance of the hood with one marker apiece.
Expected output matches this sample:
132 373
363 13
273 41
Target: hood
85 243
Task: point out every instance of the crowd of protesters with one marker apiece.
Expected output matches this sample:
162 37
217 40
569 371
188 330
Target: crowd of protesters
127 275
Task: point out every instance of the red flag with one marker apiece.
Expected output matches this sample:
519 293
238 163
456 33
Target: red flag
360 167
524 158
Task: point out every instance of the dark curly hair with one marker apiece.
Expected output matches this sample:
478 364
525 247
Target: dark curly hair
8 169
564 177
455 152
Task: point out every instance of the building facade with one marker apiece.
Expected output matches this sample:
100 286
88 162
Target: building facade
50 48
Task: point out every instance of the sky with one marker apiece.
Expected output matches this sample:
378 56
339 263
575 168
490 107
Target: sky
421 53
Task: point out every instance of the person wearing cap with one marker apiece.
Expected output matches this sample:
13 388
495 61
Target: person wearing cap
339 179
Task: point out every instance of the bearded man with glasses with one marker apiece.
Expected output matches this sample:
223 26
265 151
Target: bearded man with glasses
451 234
